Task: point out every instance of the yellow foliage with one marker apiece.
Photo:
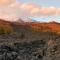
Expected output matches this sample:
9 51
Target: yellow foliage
5 29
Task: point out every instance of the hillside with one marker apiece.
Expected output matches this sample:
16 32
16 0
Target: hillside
46 27
29 41
30 30
38 27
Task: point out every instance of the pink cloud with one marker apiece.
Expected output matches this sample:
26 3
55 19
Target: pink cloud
16 10
6 2
36 10
48 10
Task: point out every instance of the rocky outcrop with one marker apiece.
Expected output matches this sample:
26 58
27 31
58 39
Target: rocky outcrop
34 50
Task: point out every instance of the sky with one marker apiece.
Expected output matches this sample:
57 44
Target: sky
39 10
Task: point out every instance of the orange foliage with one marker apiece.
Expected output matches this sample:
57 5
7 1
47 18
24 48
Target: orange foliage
44 27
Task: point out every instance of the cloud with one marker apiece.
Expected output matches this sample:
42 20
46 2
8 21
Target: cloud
32 8
40 10
7 12
6 2
10 9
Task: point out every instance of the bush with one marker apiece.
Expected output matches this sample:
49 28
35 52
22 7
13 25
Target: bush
4 30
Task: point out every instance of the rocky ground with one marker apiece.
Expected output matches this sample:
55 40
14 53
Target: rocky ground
34 50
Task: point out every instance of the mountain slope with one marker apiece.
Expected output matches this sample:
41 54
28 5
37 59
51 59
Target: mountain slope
5 26
45 27
32 26
29 30
29 41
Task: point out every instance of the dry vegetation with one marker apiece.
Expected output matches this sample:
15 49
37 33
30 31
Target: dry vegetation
29 42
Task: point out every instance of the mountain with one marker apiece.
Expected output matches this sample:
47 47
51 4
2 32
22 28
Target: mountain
29 31
31 26
45 27
20 21
38 41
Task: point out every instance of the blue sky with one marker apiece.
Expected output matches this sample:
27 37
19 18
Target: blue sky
55 3
45 3
39 10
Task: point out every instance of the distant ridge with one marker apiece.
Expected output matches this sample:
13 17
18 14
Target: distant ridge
33 26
